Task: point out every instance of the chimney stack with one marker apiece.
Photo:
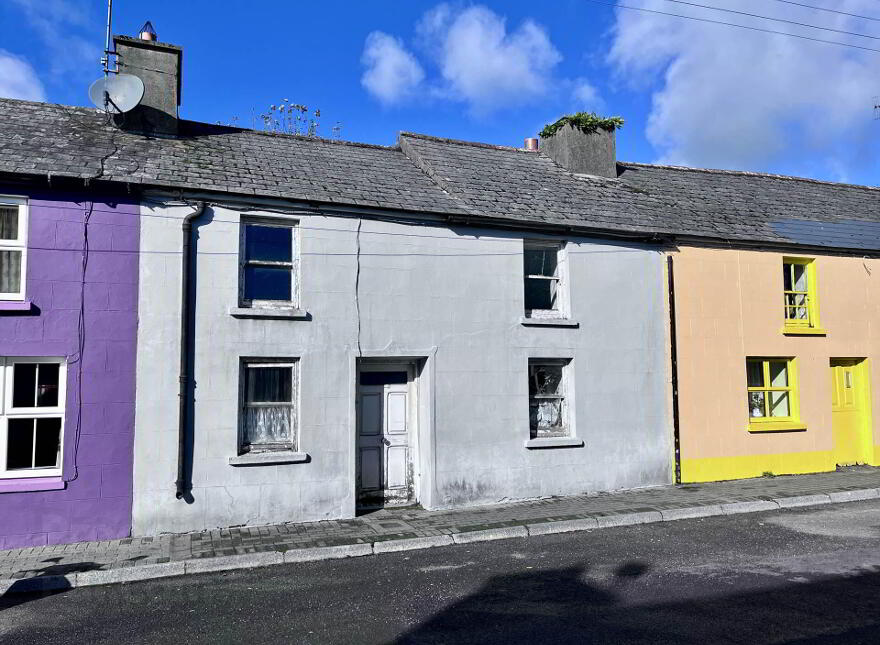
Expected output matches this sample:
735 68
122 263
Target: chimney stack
159 66
531 144
583 153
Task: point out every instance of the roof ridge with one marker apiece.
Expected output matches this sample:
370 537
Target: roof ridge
747 173
79 108
462 142
300 137
93 111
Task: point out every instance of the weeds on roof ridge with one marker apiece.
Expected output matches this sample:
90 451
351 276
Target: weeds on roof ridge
586 122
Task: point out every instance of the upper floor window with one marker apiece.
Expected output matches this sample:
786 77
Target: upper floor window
31 416
801 303
267 261
13 248
543 264
268 405
772 394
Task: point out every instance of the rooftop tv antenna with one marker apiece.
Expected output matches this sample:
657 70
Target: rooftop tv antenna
114 92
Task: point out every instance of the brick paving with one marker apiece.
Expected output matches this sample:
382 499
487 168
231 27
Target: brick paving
392 524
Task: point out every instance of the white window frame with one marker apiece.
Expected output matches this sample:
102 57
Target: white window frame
566 386
7 412
294 444
19 244
293 265
561 279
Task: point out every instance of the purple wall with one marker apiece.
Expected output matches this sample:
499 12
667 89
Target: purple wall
95 501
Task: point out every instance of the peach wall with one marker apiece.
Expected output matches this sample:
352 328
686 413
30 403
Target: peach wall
729 306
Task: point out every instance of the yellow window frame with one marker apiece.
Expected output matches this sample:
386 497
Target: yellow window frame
810 299
769 423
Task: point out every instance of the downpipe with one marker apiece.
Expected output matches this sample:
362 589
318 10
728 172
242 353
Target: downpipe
183 377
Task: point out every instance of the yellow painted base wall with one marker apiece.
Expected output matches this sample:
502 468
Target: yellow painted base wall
745 466
728 307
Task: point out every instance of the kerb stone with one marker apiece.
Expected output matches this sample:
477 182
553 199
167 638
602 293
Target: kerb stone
328 553
229 562
412 544
563 526
490 534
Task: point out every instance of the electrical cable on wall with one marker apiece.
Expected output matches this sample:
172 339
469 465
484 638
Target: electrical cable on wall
357 285
81 338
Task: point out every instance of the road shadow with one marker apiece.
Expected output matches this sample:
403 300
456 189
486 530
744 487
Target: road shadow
560 606
48 581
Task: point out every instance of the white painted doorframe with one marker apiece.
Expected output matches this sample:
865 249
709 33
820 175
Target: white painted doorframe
387 436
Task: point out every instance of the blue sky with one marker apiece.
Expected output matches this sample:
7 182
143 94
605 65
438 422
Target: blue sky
691 93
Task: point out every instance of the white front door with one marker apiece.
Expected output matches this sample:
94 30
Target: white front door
385 476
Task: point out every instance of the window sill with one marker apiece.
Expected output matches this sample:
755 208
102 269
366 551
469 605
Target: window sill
804 331
554 442
31 484
548 322
280 313
269 458
15 306
777 426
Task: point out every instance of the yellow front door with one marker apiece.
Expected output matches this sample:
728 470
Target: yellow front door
852 436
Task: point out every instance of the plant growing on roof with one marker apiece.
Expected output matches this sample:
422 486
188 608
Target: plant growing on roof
586 122
290 118
293 118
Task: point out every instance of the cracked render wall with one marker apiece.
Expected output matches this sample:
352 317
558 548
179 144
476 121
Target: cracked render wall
451 297
93 499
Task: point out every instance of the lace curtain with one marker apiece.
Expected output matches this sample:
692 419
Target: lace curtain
10 271
268 425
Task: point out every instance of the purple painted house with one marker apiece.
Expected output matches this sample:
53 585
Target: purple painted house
68 331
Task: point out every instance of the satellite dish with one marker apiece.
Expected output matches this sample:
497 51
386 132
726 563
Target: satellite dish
123 91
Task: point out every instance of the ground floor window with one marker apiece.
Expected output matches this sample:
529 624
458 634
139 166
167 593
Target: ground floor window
548 406
31 416
772 390
268 405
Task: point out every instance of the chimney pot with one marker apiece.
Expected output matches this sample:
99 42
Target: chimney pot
531 144
147 32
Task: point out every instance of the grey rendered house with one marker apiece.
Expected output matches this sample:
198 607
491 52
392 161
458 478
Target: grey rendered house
376 340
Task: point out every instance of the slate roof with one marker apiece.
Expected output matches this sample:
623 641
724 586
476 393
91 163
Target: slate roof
41 138
718 204
425 174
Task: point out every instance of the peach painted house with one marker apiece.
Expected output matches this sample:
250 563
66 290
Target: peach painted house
776 343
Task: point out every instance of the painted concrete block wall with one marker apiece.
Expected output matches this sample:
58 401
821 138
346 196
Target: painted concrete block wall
729 307
95 502
453 298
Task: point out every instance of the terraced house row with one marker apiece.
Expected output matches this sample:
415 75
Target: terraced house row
204 326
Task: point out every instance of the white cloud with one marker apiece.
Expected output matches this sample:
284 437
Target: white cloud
18 80
64 27
733 98
483 64
477 60
392 73
585 95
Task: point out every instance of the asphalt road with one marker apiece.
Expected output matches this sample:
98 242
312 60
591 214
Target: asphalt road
805 576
